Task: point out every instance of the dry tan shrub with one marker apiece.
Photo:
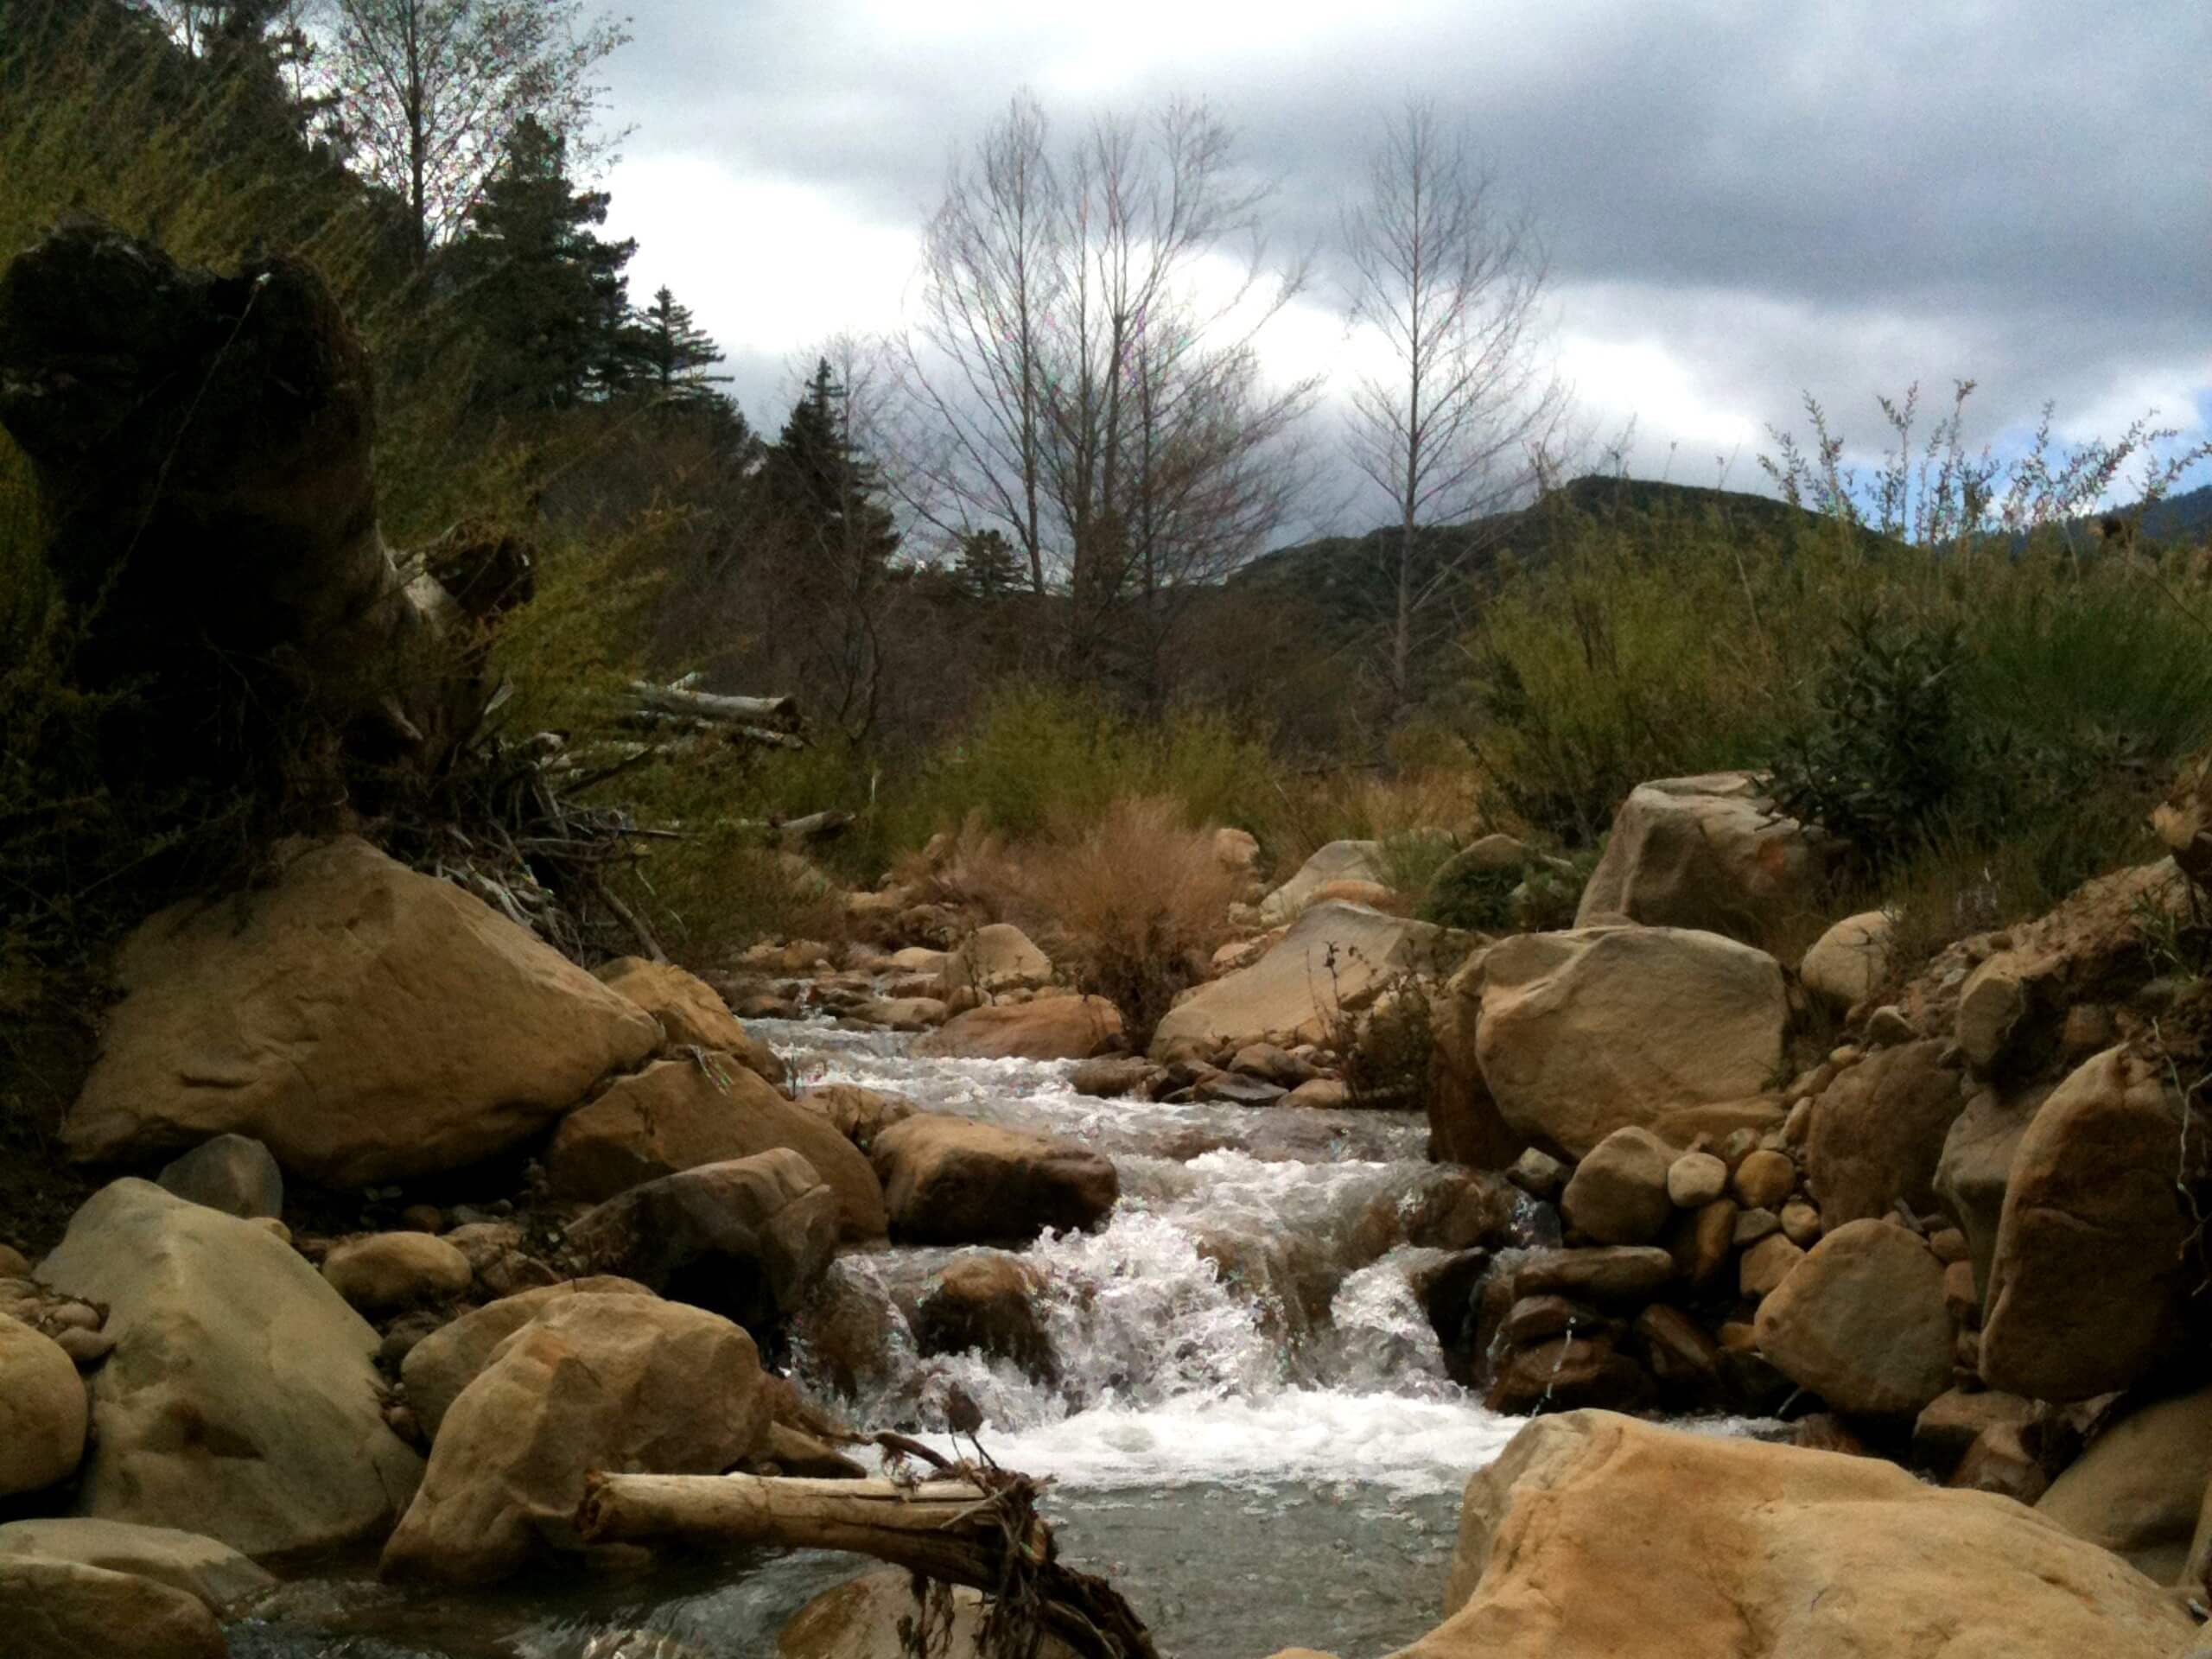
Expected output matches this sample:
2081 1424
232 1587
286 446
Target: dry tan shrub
1133 905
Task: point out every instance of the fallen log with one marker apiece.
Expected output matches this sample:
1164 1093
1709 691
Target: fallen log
978 1528
779 712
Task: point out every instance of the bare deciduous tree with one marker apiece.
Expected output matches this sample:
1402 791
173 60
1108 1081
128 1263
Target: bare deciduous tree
1448 279
1086 369
428 91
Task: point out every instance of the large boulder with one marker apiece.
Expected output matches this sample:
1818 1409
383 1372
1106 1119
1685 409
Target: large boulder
1334 962
214 1573
679 1114
748 1239
691 1013
241 1399
1861 1322
1875 1135
1709 852
1668 1029
446 1361
365 1023
42 1417
2138 1489
594 1381
949 1181
1595 1536
1050 1029
1340 860
986 1302
2089 1280
860 1619
55 1609
994 960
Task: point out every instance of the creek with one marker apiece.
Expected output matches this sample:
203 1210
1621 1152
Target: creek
1250 1429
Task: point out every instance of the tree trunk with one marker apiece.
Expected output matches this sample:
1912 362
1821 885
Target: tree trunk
955 1530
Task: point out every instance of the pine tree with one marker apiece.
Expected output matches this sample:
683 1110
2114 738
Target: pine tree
823 489
547 295
988 568
672 353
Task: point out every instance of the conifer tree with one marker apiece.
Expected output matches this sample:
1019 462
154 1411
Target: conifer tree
672 353
989 567
547 295
825 492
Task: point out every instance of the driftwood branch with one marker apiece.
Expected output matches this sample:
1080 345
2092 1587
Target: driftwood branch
979 1529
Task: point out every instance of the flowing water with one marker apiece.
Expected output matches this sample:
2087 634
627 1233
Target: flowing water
1250 1429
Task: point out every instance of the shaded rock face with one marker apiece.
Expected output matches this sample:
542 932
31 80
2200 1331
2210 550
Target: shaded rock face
1050 1029
1861 1321
1464 1124
42 1416
1594 1536
1708 852
241 1401
2138 1489
2086 1282
1877 1134
66 1609
232 1173
213 1572
1975 1167
1582 1034
1340 860
860 1620
986 1304
1334 962
949 1181
446 1361
679 1114
746 1239
691 1013
594 1381
365 1023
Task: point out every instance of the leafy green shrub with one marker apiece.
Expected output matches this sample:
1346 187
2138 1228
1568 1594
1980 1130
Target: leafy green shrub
1464 892
1884 749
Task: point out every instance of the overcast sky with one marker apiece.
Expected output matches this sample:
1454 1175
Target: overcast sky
1745 200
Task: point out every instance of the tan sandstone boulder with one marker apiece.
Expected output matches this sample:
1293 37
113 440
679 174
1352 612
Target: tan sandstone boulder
222 1326
1619 1193
1335 961
1340 860
52 1609
677 1114
1861 1321
949 1181
1595 1536
1847 962
860 1115
1668 1029
994 960
1464 1124
2087 1281
446 1361
363 1022
594 1381
1707 852
43 1417
383 1271
691 1013
1050 1029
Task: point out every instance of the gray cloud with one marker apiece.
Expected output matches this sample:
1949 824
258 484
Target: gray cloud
1833 198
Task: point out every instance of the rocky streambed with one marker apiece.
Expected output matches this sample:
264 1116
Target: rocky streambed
1233 1385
